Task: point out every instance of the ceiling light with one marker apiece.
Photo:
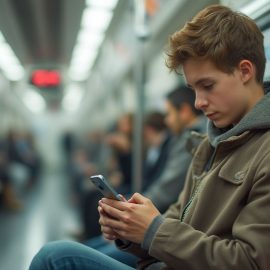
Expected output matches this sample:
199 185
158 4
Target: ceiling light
9 63
89 37
108 4
33 101
95 21
72 98
94 18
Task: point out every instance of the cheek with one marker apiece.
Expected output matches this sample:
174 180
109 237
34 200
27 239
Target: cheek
170 122
169 119
226 101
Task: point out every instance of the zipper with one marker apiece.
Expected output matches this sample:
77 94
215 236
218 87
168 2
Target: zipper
198 180
196 189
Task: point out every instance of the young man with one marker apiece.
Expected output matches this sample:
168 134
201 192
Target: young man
221 219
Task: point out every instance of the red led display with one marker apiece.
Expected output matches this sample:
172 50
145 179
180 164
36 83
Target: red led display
46 78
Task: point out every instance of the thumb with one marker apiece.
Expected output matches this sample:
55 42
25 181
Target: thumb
137 198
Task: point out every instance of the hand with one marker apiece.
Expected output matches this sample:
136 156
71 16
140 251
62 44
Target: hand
107 232
128 220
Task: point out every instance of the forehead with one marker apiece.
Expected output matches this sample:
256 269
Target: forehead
199 70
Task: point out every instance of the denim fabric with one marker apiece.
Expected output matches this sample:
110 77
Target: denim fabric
109 248
67 255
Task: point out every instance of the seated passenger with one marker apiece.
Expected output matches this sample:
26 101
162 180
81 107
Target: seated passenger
181 119
156 140
220 220
120 142
7 192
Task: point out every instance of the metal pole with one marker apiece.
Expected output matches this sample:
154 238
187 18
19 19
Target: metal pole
141 32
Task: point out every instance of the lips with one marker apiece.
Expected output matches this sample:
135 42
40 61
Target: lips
211 115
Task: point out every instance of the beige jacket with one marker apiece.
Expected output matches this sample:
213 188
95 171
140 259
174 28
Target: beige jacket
227 224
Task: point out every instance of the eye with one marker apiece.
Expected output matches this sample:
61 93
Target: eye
208 86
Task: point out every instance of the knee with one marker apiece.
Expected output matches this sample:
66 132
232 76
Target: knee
49 253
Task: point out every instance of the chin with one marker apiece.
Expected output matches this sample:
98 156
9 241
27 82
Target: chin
220 124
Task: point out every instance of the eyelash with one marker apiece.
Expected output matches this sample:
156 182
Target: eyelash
208 87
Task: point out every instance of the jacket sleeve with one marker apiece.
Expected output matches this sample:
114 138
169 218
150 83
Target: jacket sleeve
131 247
181 246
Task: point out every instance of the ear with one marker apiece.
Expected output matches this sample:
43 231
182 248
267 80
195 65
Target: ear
247 70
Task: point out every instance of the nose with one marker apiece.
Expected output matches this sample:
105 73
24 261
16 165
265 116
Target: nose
200 102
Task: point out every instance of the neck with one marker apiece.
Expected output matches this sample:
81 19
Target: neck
255 92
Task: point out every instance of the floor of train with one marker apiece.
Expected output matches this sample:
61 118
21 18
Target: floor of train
47 215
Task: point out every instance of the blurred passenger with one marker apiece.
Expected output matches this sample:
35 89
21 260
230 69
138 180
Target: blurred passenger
80 169
121 143
110 155
181 119
94 145
23 158
32 157
156 139
68 145
7 191
221 219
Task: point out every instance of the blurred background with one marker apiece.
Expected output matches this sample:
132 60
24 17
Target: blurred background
76 80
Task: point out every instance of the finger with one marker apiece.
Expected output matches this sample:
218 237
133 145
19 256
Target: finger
137 198
103 220
109 236
109 221
121 205
122 198
107 230
121 234
112 223
101 211
111 211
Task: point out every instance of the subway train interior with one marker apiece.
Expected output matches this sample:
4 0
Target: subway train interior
72 74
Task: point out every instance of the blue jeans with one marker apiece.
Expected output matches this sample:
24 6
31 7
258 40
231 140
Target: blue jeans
67 255
109 248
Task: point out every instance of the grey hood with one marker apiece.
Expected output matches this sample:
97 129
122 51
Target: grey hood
257 118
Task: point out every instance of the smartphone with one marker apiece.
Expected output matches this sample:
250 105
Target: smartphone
105 188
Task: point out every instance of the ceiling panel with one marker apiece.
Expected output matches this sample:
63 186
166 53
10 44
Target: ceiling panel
39 30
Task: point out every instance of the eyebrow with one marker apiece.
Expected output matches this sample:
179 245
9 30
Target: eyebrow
200 81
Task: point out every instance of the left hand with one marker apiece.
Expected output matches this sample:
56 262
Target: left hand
131 219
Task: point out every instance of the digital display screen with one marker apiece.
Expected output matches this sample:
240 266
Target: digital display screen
46 78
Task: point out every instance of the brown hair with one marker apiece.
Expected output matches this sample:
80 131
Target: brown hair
221 35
